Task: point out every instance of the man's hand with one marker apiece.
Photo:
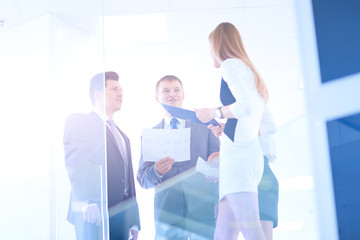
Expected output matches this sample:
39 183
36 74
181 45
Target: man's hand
213 161
91 214
134 232
216 130
164 165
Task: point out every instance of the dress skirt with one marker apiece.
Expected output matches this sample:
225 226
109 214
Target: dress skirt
268 193
241 167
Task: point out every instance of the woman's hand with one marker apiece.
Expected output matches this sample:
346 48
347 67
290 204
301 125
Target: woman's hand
205 114
217 130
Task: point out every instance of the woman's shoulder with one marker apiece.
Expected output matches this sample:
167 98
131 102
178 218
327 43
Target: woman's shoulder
234 67
233 63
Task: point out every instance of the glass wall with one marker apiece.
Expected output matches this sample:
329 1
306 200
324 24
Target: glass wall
47 50
344 141
329 36
341 22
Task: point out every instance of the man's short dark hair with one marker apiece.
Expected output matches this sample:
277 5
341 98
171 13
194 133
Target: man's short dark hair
98 83
168 78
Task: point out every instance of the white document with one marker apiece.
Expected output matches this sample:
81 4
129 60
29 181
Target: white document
204 168
160 143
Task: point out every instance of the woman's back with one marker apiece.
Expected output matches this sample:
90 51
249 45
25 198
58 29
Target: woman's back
249 105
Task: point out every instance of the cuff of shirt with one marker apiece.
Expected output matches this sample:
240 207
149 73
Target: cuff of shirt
159 176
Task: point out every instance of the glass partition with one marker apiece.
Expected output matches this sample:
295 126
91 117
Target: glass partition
345 33
49 52
344 141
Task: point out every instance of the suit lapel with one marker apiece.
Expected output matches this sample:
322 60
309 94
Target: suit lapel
160 125
127 142
114 145
111 138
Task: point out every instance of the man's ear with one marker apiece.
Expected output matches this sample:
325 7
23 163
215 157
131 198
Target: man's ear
156 98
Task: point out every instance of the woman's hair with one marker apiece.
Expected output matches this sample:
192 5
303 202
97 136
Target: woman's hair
226 43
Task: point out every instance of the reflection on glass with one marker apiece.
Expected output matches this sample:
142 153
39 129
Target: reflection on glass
42 44
98 162
344 144
84 144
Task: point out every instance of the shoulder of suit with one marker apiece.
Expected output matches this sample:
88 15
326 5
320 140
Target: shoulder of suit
159 125
81 118
75 117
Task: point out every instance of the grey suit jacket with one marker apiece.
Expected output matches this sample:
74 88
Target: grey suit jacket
182 194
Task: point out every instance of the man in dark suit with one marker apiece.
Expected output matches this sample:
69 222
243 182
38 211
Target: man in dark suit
101 175
184 199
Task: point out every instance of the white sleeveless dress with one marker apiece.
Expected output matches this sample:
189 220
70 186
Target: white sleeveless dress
241 161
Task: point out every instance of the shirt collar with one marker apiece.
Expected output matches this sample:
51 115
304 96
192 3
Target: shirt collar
167 120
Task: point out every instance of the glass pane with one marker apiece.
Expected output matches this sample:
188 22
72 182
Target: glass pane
338 36
344 143
47 49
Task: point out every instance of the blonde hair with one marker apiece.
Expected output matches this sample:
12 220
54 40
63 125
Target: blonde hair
226 43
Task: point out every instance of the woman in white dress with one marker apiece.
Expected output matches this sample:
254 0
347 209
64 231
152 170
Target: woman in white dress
243 94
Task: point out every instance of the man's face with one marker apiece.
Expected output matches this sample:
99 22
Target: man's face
113 96
170 93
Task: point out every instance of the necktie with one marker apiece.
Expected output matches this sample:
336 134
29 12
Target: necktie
227 98
173 123
119 143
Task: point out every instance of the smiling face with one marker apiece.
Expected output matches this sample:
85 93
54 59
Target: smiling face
170 92
113 96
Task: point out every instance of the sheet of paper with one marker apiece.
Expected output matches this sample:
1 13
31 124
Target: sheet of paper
160 143
204 168
186 115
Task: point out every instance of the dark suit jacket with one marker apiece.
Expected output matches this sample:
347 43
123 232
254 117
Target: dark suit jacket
183 197
85 154
123 210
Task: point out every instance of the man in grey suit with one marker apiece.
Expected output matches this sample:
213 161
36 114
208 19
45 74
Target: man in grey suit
185 200
99 171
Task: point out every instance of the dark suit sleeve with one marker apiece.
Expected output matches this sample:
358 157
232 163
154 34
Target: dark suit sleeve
146 175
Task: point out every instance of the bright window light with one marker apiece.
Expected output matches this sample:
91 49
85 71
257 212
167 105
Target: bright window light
290 226
135 29
296 183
